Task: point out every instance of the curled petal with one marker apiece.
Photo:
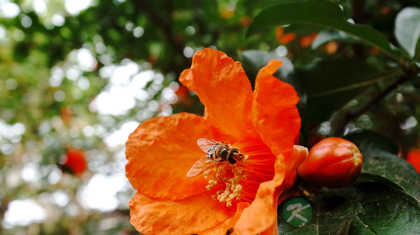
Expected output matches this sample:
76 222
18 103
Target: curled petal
188 216
224 89
274 111
161 151
262 213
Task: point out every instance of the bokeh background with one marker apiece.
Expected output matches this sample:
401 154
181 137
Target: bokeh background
78 76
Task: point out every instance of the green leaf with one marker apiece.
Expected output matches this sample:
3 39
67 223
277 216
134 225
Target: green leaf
415 81
392 170
369 142
357 226
329 35
361 208
386 210
331 84
407 28
381 164
262 4
302 29
330 215
318 13
417 55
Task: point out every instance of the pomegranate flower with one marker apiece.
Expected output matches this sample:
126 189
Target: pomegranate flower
75 160
243 196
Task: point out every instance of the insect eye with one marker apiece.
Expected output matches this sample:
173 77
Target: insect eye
231 160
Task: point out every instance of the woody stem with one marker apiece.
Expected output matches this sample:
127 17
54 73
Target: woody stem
351 115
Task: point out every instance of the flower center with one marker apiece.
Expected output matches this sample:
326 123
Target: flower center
227 176
259 167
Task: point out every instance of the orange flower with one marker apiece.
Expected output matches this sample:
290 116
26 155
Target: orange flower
307 40
331 47
66 114
374 51
75 160
385 10
227 14
183 96
262 124
245 21
284 38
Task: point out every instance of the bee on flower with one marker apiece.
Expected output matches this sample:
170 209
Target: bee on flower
226 171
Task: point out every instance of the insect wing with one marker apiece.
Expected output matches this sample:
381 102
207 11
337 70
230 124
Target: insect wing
200 166
207 144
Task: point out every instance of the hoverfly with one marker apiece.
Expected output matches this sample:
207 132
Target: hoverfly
216 152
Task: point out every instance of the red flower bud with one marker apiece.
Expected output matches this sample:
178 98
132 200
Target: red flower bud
333 162
76 161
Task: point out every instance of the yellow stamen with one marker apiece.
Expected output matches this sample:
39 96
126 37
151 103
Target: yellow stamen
227 176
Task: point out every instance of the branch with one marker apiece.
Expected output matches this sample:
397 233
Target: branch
3 208
351 115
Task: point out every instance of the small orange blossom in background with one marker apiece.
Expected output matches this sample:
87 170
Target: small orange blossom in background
385 10
227 13
414 158
307 40
374 51
331 47
283 38
183 97
262 123
245 21
66 114
75 160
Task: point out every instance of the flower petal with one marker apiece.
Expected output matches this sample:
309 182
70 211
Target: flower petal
262 213
222 228
272 230
274 111
259 167
162 150
224 89
187 216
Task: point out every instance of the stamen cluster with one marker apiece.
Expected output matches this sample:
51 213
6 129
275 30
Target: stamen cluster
227 176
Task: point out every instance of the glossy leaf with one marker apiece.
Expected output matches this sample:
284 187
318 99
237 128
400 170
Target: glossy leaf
369 142
302 29
331 84
361 208
407 29
381 164
386 210
392 170
329 35
417 55
415 81
330 215
262 4
318 13
358 226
